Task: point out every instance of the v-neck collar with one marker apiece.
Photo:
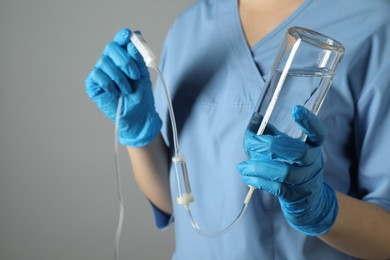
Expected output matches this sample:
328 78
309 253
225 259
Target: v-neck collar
229 18
282 26
232 32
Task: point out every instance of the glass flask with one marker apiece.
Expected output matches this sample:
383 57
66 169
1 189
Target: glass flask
301 75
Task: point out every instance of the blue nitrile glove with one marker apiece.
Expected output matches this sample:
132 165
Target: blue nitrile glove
293 171
121 70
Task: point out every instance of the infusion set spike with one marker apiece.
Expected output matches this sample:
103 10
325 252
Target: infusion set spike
183 184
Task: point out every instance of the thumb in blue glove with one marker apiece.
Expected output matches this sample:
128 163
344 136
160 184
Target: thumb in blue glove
122 71
292 170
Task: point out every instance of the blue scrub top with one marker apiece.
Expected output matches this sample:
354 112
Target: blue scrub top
215 80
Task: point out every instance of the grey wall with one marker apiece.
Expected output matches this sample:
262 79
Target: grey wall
57 176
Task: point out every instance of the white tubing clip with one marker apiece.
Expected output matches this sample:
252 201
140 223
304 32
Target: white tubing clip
144 50
185 200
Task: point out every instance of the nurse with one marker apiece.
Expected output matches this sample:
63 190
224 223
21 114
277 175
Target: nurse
326 198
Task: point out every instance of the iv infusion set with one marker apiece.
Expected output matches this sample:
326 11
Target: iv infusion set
178 160
301 75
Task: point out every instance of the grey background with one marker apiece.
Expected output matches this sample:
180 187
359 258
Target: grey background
58 195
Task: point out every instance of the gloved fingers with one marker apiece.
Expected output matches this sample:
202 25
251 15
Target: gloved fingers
91 87
275 188
272 130
298 175
98 79
104 100
106 65
107 104
310 124
279 171
255 123
122 59
280 147
264 169
122 37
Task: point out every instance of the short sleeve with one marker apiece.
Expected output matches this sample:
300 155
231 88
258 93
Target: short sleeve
162 219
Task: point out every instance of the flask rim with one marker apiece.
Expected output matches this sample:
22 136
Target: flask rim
317 39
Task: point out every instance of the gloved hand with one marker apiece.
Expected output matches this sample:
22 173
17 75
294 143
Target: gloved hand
292 170
121 70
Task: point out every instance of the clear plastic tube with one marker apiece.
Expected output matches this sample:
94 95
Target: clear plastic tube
118 180
170 109
184 189
218 233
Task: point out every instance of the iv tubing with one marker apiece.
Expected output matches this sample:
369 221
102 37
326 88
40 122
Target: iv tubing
170 109
185 198
118 180
220 232
194 223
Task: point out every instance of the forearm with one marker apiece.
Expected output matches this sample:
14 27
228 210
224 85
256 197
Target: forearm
362 229
150 166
